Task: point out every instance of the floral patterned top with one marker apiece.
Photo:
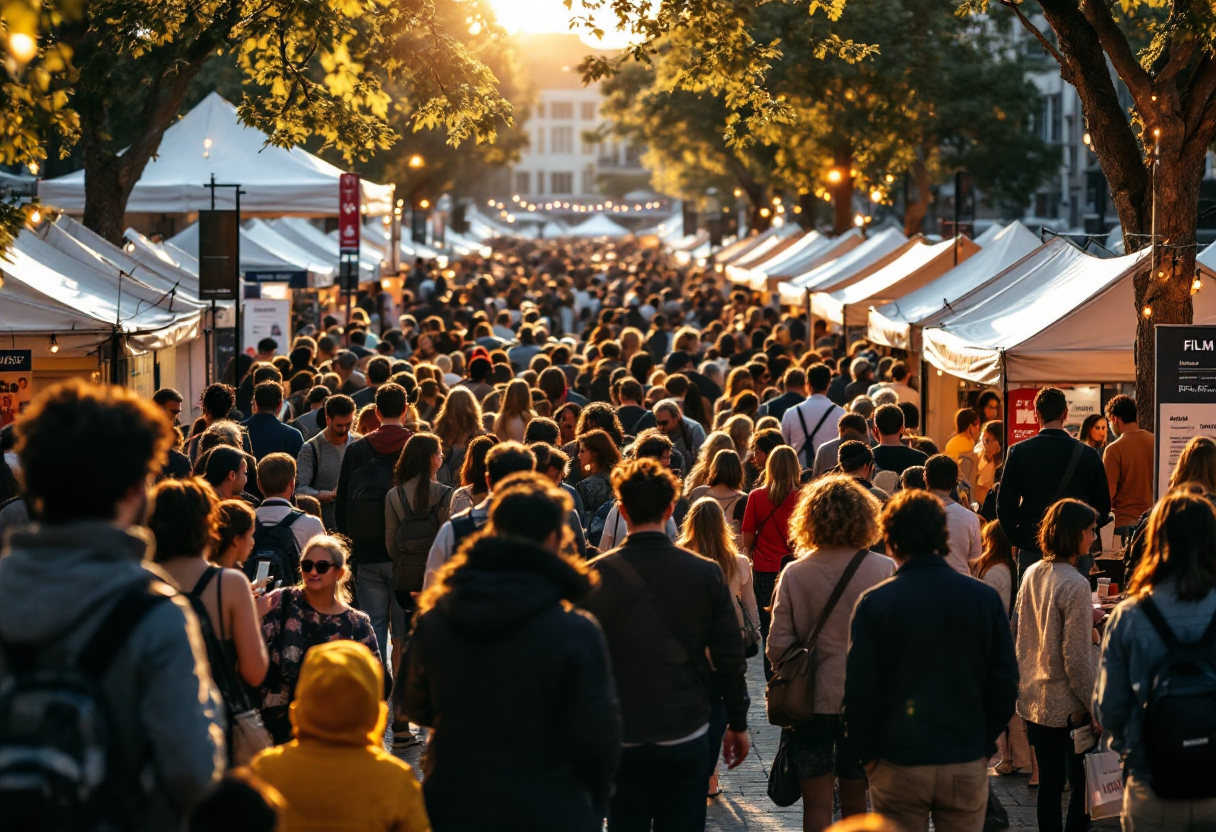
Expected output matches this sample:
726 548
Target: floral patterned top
290 628
595 489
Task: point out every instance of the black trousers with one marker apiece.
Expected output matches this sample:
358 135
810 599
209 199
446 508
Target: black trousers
1058 763
764 584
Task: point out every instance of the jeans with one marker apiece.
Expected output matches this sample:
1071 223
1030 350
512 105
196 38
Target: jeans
956 795
764 583
660 783
1057 763
374 587
1143 811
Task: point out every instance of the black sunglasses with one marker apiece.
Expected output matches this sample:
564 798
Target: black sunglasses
322 566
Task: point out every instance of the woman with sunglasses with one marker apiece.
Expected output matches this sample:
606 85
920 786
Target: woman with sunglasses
299 617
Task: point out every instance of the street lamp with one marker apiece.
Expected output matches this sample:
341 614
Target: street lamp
416 161
835 176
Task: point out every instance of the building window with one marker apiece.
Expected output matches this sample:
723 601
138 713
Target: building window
562 183
562 140
1053 118
540 182
523 182
539 148
563 109
588 180
586 148
590 110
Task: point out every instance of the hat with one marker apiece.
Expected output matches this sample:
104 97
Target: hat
854 455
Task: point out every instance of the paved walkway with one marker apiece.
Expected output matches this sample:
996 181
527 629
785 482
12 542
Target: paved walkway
744 803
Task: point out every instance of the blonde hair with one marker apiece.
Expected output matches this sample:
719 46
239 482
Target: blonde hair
834 511
340 552
705 532
739 428
516 401
782 474
699 475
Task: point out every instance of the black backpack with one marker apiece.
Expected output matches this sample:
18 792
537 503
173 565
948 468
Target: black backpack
370 483
595 526
276 544
1179 726
415 534
59 763
464 525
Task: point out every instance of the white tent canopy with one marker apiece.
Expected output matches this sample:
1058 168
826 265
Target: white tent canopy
1069 321
262 252
864 259
921 263
775 257
599 225
49 292
377 234
990 234
210 140
554 229
823 251
896 324
316 242
740 247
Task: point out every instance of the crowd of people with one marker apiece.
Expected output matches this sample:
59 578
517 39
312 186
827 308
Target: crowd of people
540 527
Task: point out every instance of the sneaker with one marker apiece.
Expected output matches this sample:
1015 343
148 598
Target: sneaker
404 741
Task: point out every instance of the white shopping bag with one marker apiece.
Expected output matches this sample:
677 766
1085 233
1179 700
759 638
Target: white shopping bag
1103 784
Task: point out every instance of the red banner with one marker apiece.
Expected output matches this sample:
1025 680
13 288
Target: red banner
1022 421
349 219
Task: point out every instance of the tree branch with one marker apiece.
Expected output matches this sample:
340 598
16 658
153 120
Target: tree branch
1115 44
1197 95
1016 8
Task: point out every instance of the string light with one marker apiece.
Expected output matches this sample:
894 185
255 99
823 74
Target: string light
54 343
1147 311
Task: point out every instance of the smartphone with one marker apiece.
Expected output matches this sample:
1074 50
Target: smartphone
263 571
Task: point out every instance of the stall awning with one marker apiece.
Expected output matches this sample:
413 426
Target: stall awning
849 267
1071 319
210 139
823 251
892 324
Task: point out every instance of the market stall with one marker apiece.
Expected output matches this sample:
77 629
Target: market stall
853 265
919 264
770 276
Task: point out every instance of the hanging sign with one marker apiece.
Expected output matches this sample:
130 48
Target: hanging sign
350 220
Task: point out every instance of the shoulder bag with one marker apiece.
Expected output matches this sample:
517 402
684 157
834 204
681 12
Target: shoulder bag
790 694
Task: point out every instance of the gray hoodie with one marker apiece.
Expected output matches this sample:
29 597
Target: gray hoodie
56 584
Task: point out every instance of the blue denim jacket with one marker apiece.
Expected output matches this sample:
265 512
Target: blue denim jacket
1131 650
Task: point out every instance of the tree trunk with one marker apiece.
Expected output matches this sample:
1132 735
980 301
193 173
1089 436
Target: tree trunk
1165 288
915 211
842 192
105 195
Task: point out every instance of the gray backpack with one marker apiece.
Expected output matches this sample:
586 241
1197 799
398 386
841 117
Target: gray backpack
415 535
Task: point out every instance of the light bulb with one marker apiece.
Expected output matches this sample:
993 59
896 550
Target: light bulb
54 343
1147 311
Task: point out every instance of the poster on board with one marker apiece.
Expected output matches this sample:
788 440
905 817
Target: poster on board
16 388
1023 423
266 319
1185 392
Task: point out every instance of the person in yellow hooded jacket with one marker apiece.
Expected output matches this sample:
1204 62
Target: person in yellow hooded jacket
335 775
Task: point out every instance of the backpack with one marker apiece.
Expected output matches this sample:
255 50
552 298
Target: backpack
277 544
412 544
464 525
595 527
370 483
59 765
1179 726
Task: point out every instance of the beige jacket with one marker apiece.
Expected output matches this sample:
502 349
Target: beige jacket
1053 638
802 592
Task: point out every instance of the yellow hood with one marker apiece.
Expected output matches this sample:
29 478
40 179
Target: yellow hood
338 696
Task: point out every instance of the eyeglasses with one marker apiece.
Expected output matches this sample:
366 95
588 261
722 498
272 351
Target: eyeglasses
322 566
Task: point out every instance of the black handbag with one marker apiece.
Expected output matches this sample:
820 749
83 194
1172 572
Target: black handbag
783 787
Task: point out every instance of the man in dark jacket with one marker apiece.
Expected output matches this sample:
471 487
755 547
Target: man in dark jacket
794 384
931 677
1042 470
498 647
357 517
661 608
267 435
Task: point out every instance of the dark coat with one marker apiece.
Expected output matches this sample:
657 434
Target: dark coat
931 676
267 435
519 691
776 407
1031 476
661 683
